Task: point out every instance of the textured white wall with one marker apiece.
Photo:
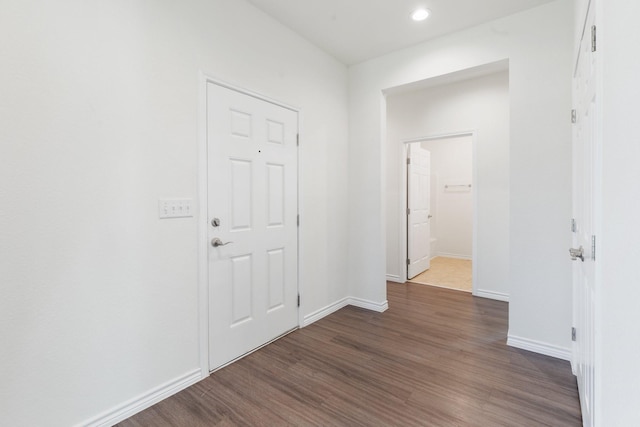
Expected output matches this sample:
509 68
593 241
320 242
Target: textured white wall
480 104
538 45
100 108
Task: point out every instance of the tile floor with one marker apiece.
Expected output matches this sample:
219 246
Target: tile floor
448 273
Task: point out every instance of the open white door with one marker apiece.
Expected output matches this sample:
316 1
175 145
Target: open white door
585 157
418 209
252 216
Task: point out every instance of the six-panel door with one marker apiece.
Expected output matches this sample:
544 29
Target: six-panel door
252 190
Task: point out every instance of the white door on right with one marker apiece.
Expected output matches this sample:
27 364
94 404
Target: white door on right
418 210
585 158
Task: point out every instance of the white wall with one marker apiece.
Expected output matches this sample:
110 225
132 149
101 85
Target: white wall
479 104
100 111
618 294
451 198
539 48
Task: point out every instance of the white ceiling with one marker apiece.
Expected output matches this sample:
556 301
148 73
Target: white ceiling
356 30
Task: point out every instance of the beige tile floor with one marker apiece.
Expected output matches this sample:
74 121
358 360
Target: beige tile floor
449 273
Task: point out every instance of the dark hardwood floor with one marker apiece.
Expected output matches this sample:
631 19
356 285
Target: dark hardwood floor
436 358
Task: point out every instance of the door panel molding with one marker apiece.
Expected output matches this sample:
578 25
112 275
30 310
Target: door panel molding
204 79
418 210
586 202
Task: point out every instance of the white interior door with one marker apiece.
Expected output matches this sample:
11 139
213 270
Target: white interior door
418 210
252 210
584 162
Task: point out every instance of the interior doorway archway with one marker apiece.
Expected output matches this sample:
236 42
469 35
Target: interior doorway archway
403 229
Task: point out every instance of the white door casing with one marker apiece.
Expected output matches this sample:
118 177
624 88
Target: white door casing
418 209
252 190
403 190
585 158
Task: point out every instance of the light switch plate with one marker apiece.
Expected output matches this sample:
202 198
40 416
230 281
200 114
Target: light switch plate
175 208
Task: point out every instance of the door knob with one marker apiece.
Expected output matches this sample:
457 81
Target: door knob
577 253
216 242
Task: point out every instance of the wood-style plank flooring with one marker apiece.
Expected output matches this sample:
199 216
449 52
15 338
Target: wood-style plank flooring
437 357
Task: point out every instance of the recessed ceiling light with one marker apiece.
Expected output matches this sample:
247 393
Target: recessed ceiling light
420 14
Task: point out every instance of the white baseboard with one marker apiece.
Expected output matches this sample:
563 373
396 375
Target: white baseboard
369 305
140 403
332 308
539 347
394 278
456 256
499 296
323 312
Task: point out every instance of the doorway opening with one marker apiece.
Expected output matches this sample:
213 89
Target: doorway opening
472 105
443 231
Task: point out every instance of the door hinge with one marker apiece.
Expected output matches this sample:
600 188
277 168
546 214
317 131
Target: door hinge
297 140
593 38
573 334
574 116
298 300
298 220
593 248
408 211
574 225
408 161
408 261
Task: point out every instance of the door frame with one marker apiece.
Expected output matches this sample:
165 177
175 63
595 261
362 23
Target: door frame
202 217
403 233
